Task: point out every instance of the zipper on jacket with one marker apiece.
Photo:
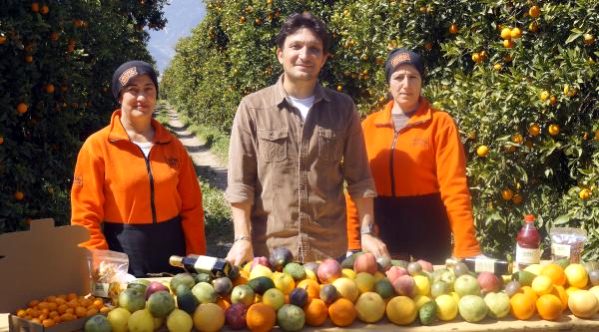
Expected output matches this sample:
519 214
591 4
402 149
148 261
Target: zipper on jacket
395 136
151 176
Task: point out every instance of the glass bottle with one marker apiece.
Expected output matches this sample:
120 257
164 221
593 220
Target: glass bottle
216 267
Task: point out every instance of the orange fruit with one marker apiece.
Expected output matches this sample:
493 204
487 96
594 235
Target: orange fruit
560 292
517 199
260 317
508 43
534 11
522 306
555 273
516 33
506 33
316 312
482 151
22 108
35 7
542 285
549 307
221 302
507 194
342 312
453 29
585 194
528 291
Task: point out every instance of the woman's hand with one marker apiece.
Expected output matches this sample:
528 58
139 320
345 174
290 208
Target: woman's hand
241 252
374 245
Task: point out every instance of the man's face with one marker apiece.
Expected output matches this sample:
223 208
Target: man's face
405 84
302 55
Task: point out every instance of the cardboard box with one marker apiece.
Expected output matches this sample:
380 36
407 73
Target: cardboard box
40 262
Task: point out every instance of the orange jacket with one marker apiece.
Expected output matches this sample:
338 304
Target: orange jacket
428 158
112 183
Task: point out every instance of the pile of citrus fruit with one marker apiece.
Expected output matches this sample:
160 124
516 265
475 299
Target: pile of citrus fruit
273 292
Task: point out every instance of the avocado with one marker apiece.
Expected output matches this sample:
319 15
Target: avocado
261 284
428 313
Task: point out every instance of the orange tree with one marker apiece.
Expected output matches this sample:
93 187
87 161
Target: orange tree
56 63
519 77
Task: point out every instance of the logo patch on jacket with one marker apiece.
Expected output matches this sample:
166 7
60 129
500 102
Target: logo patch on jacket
420 142
78 181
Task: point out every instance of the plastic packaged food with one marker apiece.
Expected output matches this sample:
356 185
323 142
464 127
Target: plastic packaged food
108 270
567 242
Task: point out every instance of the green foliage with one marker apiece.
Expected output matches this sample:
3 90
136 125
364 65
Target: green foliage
499 96
57 58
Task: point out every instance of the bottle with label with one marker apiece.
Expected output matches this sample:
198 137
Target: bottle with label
216 267
528 242
483 264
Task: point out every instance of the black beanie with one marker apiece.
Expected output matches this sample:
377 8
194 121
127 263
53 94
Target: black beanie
125 72
401 56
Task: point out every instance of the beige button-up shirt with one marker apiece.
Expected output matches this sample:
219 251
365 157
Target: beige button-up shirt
293 171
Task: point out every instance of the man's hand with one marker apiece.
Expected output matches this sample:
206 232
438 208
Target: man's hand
374 245
240 253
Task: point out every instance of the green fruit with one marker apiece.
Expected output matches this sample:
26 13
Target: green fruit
203 277
384 288
140 284
160 304
261 284
187 302
400 262
204 292
472 308
348 262
428 313
295 270
524 277
97 323
132 299
291 318
439 288
179 321
182 279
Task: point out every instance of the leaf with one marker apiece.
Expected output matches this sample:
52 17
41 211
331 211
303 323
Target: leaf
573 37
561 220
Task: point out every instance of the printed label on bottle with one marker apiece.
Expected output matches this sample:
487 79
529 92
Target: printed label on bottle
527 255
205 263
484 265
561 250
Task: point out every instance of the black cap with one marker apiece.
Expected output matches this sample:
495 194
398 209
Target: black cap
401 56
125 72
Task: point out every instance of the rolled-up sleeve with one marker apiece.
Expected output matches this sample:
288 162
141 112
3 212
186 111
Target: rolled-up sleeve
242 166
356 169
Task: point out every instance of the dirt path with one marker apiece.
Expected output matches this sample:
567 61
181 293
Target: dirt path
207 164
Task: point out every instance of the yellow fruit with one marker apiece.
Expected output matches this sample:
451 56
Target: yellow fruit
588 39
423 285
533 27
209 317
534 11
476 58
506 33
517 138
260 271
447 307
347 288
420 300
585 194
365 282
178 321
576 275
583 303
542 284
508 43
283 282
348 273
482 151
544 95
370 307
401 310
497 67
118 318
516 33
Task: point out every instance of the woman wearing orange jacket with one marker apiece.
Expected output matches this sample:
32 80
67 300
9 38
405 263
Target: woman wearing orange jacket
135 187
419 167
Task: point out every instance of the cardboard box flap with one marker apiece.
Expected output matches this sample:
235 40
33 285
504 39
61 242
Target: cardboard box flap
43 261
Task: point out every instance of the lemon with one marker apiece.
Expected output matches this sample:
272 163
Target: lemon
542 285
260 271
447 307
576 275
423 285
179 321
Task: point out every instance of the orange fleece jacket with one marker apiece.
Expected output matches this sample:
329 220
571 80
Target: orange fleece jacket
112 183
438 165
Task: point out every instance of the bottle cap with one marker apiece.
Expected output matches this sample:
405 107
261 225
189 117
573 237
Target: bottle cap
175 260
529 218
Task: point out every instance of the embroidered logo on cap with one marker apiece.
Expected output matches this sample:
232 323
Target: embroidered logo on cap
127 74
400 58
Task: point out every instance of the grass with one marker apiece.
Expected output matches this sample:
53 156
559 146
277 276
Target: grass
217 213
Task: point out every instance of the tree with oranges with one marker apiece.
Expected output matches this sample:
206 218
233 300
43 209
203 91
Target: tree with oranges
56 64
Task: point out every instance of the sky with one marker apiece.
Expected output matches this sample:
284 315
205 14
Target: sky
182 16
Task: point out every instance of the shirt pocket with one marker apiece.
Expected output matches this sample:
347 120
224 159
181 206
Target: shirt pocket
273 145
329 145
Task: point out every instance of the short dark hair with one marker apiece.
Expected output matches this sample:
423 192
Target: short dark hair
304 20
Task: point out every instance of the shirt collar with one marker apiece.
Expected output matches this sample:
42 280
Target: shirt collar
423 114
282 95
118 132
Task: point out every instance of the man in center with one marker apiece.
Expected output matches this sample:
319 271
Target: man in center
295 147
